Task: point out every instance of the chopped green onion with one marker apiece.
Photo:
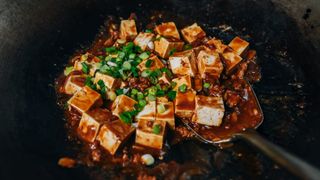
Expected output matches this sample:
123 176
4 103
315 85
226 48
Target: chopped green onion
119 91
126 117
148 31
152 90
84 57
144 55
206 85
126 65
172 95
183 88
85 68
168 72
111 49
140 96
142 103
161 108
112 95
101 84
107 58
172 51
160 93
151 97
134 91
173 84
156 129
103 92
187 47
68 70
132 56
146 73
134 71
121 55
149 63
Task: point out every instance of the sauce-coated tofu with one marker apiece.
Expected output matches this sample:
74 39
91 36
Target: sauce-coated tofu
109 81
90 60
209 110
186 79
209 63
156 63
112 135
217 45
183 63
121 104
192 33
168 29
91 121
148 112
231 59
164 46
185 104
239 45
84 99
128 29
146 136
143 39
74 83
168 114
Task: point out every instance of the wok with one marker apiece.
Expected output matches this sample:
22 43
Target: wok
37 38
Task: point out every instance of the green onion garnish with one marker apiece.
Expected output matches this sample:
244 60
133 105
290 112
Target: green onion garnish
206 85
183 88
149 63
172 95
156 129
126 65
68 70
161 108
85 68
144 55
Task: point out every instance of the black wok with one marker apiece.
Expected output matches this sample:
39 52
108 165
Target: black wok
37 38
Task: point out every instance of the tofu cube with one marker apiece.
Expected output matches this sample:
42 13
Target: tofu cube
209 63
239 45
200 48
185 104
209 110
74 83
231 59
143 39
148 112
197 83
84 99
109 81
193 33
164 46
217 45
168 29
90 60
128 29
156 63
121 104
168 114
91 121
114 134
183 63
146 136
186 79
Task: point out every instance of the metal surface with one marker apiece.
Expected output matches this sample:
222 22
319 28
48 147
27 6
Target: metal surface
37 38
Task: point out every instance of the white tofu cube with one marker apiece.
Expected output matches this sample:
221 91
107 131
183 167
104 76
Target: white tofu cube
164 46
143 39
156 63
231 59
185 104
114 134
186 79
183 63
239 45
74 83
200 48
91 121
121 104
109 81
148 112
168 114
209 63
217 45
146 136
209 110
84 99
128 29
193 33
168 29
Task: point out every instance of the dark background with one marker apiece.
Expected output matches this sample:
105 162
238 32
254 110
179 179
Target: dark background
38 37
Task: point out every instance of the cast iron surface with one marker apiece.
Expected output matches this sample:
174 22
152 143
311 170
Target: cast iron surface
37 38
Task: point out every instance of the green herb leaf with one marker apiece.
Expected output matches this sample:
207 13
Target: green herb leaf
149 63
172 51
183 88
172 95
68 70
85 68
156 129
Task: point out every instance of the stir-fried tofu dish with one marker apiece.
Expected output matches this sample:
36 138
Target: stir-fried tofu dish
127 95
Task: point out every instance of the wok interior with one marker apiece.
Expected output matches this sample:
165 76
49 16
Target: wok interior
37 42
